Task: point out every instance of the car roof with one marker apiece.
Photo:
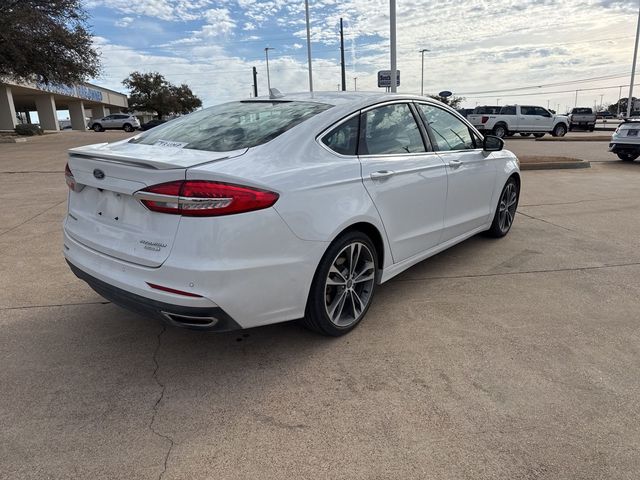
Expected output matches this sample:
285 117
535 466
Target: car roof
352 99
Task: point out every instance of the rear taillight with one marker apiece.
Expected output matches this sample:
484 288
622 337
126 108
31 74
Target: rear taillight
71 181
202 198
484 119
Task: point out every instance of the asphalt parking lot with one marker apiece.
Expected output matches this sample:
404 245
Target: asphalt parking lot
498 359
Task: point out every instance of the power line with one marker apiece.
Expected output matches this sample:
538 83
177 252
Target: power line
553 92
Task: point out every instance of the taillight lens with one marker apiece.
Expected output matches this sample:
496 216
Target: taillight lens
202 198
71 181
485 119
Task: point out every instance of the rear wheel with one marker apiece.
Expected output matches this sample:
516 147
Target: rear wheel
506 211
627 157
127 127
343 285
97 127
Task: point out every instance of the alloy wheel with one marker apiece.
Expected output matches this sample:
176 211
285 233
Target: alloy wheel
507 207
349 284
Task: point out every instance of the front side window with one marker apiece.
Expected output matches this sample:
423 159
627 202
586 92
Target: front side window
524 110
344 138
233 126
542 112
391 129
450 132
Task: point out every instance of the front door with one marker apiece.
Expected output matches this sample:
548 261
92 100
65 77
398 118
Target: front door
405 178
471 171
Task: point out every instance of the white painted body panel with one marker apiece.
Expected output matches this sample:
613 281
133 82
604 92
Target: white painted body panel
258 266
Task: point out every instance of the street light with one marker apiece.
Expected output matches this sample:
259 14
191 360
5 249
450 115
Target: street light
498 101
266 54
422 81
633 69
392 41
306 11
355 84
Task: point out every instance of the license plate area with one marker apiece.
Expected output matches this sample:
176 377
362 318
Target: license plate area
111 206
632 133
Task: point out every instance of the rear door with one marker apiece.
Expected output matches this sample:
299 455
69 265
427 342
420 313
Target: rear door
405 178
471 171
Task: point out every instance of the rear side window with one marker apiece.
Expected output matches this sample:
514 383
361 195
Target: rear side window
509 110
344 138
233 126
391 129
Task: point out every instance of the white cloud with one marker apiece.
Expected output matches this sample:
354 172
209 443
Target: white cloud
123 22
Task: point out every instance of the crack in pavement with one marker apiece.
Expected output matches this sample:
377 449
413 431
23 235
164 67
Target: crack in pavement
159 399
24 307
552 270
31 218
572 203
545 221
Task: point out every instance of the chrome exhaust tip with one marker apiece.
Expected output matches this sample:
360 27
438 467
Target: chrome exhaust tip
190 320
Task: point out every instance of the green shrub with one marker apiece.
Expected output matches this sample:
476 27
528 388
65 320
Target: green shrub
28 129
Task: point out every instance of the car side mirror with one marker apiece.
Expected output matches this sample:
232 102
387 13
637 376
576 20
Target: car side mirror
492 144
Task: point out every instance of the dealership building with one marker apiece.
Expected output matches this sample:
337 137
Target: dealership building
17 99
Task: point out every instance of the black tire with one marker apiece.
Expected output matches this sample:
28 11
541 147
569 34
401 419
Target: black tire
525 134
97 127
324 294
500 130
127 127
591 129
560 130
538 135
506 209
627 157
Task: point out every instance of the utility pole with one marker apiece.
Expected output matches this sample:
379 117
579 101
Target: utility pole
342 67
255 82
306 11
392 39
633 68
355 84
576 104
548 104
619 98
601 100
422 78
498 101
266 54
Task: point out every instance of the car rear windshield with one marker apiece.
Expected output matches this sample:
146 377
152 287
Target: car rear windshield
232 126
581 111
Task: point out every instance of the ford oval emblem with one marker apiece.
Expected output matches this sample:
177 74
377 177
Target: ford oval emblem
99 174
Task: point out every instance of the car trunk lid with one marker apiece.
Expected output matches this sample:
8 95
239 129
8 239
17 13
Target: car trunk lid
104 215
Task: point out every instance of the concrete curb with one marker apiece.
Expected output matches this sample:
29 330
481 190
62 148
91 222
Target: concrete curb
555 165
12 140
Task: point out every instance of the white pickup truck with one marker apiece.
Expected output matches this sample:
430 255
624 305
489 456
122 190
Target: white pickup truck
522 119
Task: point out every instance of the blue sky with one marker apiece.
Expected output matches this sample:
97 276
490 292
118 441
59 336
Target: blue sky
476 45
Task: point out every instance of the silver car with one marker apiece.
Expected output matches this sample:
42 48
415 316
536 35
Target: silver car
119 121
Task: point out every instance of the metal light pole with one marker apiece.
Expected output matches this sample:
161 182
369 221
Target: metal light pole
266 54
633 68
601 100
498 101
619 98
392 40
576 104
306 11
355 84
422 80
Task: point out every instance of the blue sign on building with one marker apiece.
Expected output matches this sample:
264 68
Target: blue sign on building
80 91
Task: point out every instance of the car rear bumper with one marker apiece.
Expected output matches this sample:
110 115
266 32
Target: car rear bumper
200 318
624 147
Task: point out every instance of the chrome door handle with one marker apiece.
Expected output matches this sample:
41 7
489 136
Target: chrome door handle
381 174
455 163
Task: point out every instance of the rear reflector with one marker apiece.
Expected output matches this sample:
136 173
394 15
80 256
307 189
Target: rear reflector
484 119
173 290
202 198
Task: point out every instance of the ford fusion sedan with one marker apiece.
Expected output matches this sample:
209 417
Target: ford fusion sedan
273 209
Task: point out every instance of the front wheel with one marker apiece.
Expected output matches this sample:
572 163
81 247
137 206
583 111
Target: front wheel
506 211
500 131
97 127
343 285
627 157
559 130
127 127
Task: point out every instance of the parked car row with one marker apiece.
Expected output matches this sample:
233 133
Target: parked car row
121 121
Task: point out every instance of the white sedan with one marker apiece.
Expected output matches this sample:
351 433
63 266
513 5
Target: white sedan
273 209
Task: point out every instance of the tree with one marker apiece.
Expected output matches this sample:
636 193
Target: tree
452 101
151 92
623 105
46 41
